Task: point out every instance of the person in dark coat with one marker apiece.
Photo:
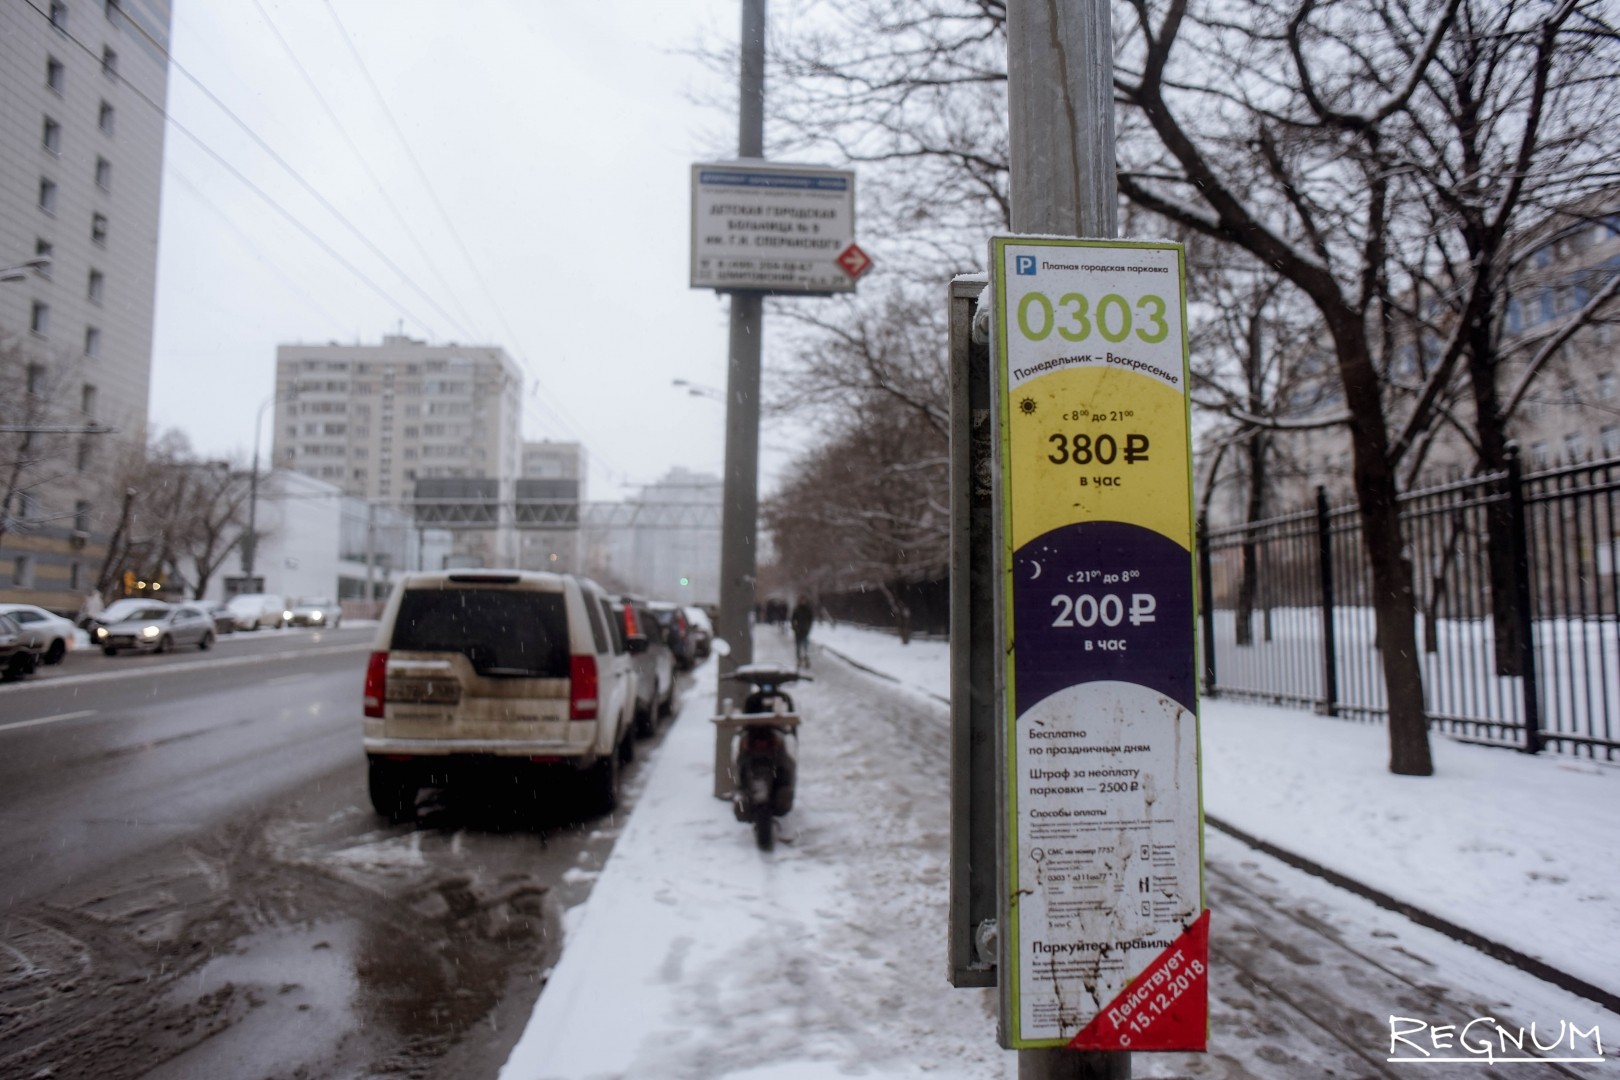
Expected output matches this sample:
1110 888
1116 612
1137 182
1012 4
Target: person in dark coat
803 618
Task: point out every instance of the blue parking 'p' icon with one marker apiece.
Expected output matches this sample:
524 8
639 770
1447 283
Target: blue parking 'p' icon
1024 264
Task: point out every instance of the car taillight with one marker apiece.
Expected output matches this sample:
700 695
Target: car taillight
582 688
630 620
376 683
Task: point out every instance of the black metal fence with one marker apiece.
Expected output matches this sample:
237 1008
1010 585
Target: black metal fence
1517 595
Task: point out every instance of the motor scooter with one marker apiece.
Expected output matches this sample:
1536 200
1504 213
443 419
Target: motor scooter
764 760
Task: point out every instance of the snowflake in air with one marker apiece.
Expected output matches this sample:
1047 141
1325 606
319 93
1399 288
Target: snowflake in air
1027 406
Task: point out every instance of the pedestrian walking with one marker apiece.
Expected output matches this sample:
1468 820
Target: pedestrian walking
803 618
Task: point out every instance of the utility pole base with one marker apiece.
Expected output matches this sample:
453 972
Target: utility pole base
1059 1064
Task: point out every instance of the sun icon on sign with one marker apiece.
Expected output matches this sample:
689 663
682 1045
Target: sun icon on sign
1027 406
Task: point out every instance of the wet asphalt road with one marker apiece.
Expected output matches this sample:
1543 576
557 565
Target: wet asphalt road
192 883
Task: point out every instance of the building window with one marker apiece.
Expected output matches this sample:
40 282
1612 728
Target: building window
27 506
43 249
1611 440
96 287
109 62
98 229
92 341
87 400
86 443
81 516
1574 447
39 320
105 119
75 579
103 174
22 572
1606 385
47 195
59 15
51 138
36 379
55 74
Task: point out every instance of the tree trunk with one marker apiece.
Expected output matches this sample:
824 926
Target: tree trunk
1393 601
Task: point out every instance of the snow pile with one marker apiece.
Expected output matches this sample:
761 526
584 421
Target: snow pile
698 956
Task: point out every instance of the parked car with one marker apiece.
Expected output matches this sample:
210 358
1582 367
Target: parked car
702 631
651 660
18 654
677 631
506 670
51 634
158 629
224 618
316 611
253 610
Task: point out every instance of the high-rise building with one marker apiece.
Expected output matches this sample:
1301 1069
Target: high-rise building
375 419
81 153
433 430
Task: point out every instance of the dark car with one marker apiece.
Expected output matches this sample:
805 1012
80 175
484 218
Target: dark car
224 618
654 665
19 655
677 631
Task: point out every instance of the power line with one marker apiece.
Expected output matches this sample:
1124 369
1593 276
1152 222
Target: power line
250 185
427 184
382 189
296 175
286 278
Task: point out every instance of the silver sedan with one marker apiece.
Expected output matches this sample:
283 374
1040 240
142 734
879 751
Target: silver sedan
158 629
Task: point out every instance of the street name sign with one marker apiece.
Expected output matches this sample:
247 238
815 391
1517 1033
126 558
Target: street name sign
774 228
1103 932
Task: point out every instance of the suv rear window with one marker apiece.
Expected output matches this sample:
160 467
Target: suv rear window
503 632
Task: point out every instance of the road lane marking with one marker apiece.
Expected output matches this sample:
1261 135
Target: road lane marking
214 664
48 719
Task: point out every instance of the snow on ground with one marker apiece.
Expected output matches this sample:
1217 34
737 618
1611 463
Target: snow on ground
698 956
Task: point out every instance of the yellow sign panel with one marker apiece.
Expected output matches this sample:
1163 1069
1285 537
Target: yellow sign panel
1105 941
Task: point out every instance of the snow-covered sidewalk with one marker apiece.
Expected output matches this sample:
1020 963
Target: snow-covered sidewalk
699 956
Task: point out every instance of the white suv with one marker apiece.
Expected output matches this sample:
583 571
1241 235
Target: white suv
474 669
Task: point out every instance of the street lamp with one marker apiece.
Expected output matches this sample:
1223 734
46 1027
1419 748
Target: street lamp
699 390
251 547
38 264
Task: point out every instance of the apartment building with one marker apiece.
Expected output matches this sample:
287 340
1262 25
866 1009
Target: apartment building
432 430
81 151
375 419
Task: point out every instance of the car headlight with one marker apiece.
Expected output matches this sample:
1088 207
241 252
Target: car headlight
101 631
151 631
316 616
287 615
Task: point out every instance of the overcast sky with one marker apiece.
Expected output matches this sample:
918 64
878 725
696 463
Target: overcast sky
557 138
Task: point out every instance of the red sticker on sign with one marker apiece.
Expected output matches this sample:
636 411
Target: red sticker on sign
1164 1008
854 261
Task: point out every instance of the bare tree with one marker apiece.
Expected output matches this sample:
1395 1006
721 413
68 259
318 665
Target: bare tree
41 424
868 510
181 516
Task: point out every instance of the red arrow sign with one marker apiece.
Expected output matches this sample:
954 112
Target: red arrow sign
854 261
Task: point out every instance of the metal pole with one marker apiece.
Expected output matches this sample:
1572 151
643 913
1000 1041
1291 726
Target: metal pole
1060 106
740 509
371 553
250 549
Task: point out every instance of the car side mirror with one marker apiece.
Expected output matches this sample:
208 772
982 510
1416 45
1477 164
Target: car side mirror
637 643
